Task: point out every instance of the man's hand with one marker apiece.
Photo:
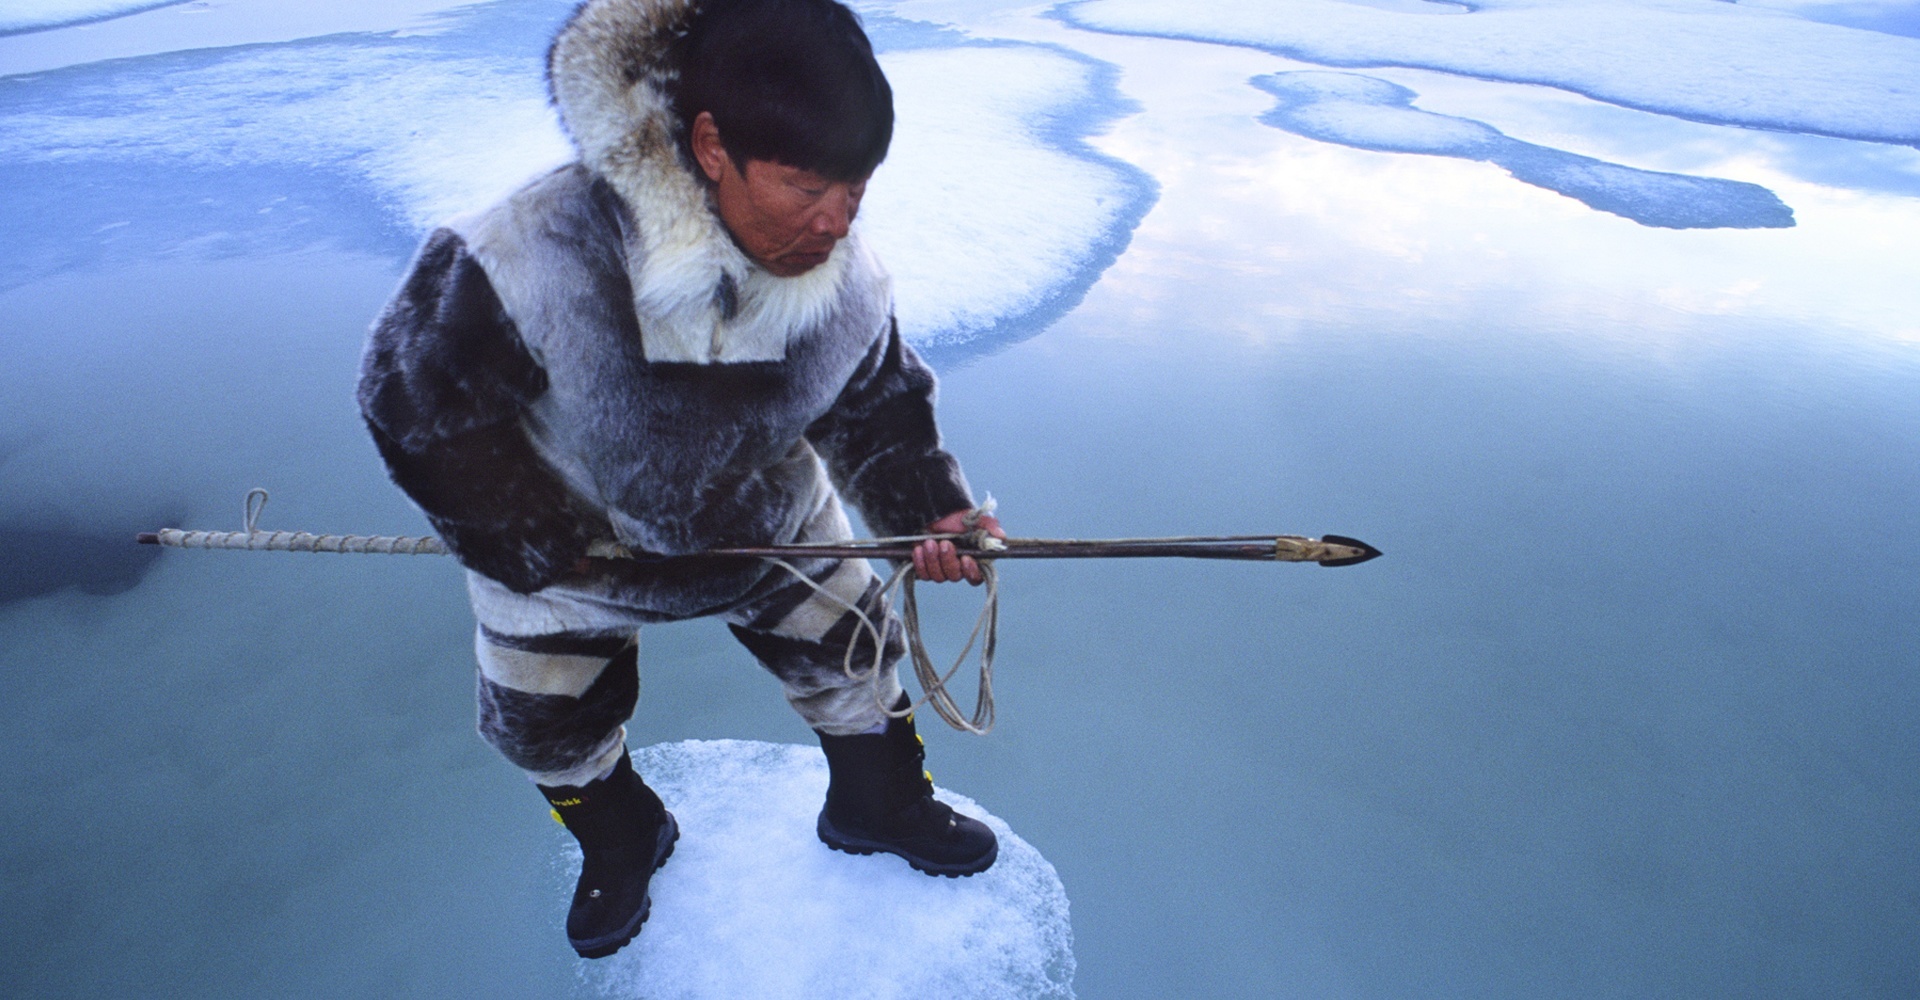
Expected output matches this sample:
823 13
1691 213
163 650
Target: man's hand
941 561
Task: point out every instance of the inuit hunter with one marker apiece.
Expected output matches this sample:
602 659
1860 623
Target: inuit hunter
679 342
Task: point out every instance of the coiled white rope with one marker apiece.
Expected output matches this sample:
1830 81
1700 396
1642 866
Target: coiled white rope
986 632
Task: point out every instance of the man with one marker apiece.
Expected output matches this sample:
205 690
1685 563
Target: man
677 343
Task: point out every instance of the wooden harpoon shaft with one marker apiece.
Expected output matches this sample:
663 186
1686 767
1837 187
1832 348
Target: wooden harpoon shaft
1331 550
1283 548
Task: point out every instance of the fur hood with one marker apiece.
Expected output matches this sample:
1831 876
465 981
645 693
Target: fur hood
698 297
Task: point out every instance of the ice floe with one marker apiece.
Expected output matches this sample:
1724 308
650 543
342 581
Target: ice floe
753 905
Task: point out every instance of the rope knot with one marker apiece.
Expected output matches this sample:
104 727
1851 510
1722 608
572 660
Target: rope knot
976 536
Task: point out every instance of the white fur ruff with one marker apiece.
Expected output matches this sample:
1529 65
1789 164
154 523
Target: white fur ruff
681 254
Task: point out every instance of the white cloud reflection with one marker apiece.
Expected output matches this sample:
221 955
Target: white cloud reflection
1332 236
1328 238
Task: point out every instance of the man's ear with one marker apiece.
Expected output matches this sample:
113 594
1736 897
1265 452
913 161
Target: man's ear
708 150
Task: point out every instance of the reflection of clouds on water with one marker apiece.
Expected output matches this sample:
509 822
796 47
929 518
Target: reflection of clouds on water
1370 113
1345 230
1322 235
1712 62
1403 238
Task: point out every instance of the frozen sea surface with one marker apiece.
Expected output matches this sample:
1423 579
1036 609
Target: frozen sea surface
1626 710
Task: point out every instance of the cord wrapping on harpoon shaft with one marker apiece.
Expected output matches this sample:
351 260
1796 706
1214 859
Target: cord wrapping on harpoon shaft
302 541
252 539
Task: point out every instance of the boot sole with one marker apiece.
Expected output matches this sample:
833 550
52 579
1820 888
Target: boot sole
848 844
601 947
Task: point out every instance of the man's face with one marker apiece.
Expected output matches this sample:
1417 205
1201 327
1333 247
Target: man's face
785 218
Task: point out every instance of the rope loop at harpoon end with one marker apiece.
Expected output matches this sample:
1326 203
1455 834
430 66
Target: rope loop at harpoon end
986 633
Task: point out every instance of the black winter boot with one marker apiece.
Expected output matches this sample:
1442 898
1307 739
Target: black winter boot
880 799
625 833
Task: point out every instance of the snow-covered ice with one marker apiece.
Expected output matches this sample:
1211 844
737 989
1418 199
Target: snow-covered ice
435 137
37 15
753 905
978 212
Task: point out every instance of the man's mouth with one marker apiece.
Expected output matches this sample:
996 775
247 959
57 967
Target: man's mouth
807 258
799 260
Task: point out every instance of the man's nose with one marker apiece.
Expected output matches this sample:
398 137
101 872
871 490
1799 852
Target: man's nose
835 213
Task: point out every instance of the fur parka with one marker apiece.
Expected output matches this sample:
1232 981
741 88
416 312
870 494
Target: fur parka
594 358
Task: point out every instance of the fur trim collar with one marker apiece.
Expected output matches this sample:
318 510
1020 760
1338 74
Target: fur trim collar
698 297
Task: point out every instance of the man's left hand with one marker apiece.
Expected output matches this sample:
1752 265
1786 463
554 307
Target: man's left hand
940 561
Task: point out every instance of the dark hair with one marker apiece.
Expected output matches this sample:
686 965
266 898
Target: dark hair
792 81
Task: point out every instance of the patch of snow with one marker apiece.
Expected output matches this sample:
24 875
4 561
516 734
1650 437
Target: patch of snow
979 215
38 15
753 905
